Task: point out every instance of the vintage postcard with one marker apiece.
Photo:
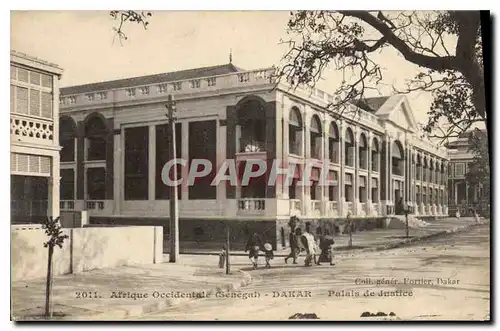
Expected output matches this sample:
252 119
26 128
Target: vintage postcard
250 165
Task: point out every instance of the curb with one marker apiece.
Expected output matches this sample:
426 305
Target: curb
148 308
422 238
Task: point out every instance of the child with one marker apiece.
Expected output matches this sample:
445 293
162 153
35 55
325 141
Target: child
268 251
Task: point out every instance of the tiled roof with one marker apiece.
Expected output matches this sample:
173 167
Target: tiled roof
372 104
152 79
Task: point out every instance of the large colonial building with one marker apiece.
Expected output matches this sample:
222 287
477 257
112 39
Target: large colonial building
34 154
115 135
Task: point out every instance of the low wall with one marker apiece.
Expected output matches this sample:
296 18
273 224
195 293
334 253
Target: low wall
85 249
202 231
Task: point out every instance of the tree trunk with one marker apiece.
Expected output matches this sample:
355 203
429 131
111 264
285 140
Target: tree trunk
48 289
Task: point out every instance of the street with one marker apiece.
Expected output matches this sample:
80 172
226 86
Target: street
446 278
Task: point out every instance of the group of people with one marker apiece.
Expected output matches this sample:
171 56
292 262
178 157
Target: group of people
317 248
254 245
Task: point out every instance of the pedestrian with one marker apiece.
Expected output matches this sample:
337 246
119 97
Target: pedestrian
222 257
476 217
326 247
308 242
268 253
253 247
457 214
294 245
317 241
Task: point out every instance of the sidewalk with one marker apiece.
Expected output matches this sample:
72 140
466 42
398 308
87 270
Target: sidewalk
193 274
366 240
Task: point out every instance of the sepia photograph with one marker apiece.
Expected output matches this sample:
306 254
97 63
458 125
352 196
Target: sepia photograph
252 165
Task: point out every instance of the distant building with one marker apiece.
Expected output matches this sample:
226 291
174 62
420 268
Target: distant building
114 137
34 128
461 193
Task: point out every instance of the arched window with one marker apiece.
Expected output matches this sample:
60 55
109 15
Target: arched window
375 155
333 143
252 121
349 148
397 153
295 131
96 133
315 135
363 152
67 135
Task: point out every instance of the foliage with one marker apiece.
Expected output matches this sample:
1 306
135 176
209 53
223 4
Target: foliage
53 231
129 16
445 45
349 41
479 170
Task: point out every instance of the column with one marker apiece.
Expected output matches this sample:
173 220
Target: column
326 163
54 187
369 209
305 151
455 189
355 203
152 164
118 173
80 156
284 157
185 156
410 177
55 178
219 160
341 186
389 185
466 191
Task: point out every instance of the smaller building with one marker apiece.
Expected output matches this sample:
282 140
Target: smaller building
462 194
34 128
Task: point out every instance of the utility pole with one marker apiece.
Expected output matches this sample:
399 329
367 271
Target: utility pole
174 207
228 242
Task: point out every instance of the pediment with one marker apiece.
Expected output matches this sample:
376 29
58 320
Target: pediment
400 114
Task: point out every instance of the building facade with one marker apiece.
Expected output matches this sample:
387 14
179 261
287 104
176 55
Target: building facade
115 143
34 127
463 195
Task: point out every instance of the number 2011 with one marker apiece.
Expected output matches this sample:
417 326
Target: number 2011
86 295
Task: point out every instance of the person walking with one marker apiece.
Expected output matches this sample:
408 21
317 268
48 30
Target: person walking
326 247
309 244
253 247
294 239
269 254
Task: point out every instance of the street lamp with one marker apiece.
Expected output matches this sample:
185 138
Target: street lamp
174 212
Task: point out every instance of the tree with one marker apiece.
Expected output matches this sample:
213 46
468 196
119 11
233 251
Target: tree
128 16
349 40
56 238
447 46
479 170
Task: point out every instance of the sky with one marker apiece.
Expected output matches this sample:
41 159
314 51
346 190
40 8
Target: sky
85 45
